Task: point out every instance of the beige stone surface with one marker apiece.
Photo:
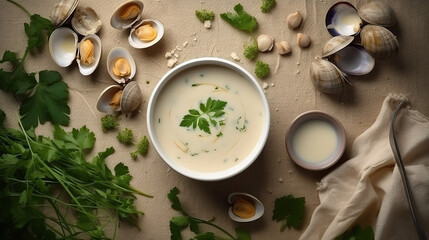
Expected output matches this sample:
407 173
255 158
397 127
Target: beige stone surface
289 93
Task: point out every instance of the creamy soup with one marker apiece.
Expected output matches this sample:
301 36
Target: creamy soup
208 118
314 141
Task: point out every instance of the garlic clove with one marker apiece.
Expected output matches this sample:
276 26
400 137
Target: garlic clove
146 32
283 47
294 20
265 42
129 11
121 67
86 50
303 40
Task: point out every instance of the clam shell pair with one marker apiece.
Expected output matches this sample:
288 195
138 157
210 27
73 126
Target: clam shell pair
64 49
120 21
131 96
85 21
257 204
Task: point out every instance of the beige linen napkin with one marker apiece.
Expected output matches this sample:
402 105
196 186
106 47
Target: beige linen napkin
367 189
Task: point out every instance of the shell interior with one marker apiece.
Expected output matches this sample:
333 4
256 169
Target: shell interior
89 69
354 60
62 46
86 21
137 43
343 19
119 23
62 10
116 53
259 207
103 102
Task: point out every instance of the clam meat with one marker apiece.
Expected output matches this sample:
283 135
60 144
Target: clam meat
120 65
146 32
116 98
86 49
129 11
244 207
127 15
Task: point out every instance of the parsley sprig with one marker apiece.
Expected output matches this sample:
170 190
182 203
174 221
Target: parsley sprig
206 116
181 222
45 99
289 210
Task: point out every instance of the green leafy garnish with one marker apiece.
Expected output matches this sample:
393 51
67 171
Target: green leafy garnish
45 99
241 20
267 5
108 123
142 148
178 223
357 233
79 198
262 69
206 116
251 50
290 210
204 15
125 136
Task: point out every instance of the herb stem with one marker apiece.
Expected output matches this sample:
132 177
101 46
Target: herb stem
213 225
20 6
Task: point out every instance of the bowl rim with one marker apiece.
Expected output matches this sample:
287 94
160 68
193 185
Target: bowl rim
316 115
218 175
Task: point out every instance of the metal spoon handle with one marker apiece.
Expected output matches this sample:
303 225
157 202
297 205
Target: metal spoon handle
400 163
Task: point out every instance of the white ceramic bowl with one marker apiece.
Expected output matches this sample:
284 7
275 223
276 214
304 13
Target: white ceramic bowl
338 149
242 164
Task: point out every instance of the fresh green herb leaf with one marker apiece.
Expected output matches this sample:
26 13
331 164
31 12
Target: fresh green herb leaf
251 50
37 31
48 103
125 136
242 234
207 115
175 202
2 117
142 147
290 210
17 81
357 233
241 20
204 236
267 5
204 15
262 69
108 123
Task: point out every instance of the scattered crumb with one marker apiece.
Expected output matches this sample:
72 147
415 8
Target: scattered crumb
265 85
235 56
195 39
270 191
178 48
281 180
272 84
297 63
176 55
277 109
185 44
298 72
168 55
171 62
207 24
290 171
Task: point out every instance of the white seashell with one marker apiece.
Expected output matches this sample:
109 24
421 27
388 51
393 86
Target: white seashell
335 44
265 42
379 41
62 10
354 60
294 20
343 19
135 41
86 69
258 207
130 98
326 77
117 22
86 21
378 13
62 46
115 54
103 102
303 40
283 47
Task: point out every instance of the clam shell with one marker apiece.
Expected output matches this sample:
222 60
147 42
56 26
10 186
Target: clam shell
137 43
379 41
86 21
335 44
88 69
62 10
378 13
259 207
116 53
326 77
343 19
354 60
105 97
62 46
116 20
131 97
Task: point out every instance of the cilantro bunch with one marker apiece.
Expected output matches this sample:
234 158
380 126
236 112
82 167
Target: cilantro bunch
38 172
178 223
44 99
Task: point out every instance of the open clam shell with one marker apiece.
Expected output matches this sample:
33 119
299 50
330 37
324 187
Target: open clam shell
378 13
62 10
326 77
62 46
130 98
124 17
86 21
87 69
235 197
335 44
114 55
136 42
343 19
379 41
